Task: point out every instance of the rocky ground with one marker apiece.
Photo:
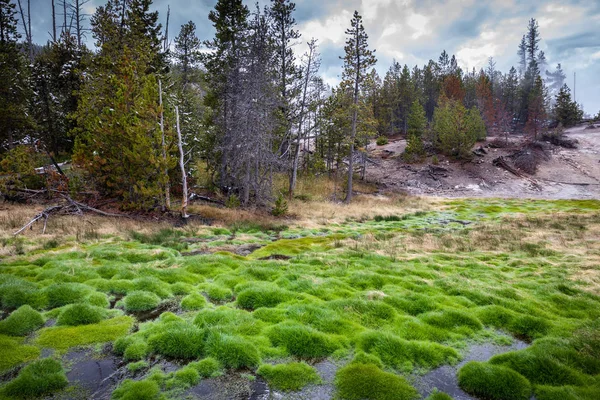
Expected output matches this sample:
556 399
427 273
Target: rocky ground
562 173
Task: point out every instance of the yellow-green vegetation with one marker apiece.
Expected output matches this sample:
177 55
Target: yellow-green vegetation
36 379
292 376
383 295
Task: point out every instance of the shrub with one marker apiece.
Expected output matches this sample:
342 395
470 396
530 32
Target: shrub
194 301
208 367
233 202
292 376
399 353
137 390
232 351
366 381
178 340
381 141
61 294
37 379
493 382
281 206
302 341
22 321
255 297
81 314
141 301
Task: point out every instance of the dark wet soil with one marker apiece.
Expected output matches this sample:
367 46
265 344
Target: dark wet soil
445 378
143 316
96 375
228 387
276 257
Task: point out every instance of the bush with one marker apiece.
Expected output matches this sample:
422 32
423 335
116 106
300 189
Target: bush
281 206
206 368
233 202
302 341
232 351
194 301
61 294
292 376
37 379
178 340
255 297
493 382
382 141
81 314
137 390
22 321
141 301
367 382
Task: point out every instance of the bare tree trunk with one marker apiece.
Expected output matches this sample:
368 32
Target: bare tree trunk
166 41
53 22
354 119
65 17
78 23
27 26
184 199
164 148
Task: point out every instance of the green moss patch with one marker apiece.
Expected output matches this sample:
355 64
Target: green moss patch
302 341
178 340
14 352
292 376
37 379
81 314
21 322
137 390
140 300
493 382
366 381
232 351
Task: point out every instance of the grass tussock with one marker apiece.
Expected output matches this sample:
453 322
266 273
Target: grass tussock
288 377
366 381
493 382
21 322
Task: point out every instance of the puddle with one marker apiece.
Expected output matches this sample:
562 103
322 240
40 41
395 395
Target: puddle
445 378
97 376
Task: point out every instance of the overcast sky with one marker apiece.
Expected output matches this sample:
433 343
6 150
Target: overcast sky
414 31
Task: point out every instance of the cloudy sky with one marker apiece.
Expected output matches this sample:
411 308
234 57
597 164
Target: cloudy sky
414 31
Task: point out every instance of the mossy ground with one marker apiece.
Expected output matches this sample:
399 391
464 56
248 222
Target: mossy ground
385 294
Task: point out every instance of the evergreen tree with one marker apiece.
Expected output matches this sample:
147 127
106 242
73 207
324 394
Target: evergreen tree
456 129
566 111
15 122
536 117
357 61
417 123
187 51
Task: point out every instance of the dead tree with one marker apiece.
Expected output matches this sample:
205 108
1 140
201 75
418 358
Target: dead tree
164 148
53 22
27 27
184 199
312 63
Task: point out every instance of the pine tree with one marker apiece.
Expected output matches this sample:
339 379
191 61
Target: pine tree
566 111
417 123
555 80
15 122
187 51
456 129
536 117
357 61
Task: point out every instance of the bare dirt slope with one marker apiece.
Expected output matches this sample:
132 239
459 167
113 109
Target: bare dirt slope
563 174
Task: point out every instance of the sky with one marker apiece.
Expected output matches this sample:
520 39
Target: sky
414 31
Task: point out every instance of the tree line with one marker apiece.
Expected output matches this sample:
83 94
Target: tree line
137 113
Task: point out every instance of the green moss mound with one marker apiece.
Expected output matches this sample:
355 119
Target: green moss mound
493 382
404 354
453 319
207 367
529 327
218 293
178 340
21 322
81 314
186 376
302 341
232 351
37 379
61 294
192 302
14 352
367 382
293 376
16 292
137 390
255 297
140 300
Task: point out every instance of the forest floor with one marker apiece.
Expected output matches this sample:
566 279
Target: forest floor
562 174
390 298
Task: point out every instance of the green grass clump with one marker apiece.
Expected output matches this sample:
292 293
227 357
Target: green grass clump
178 340
16 292
438 396
192 302
366 312
14 352
262 296
21 322
65 337
137 366
365 358
302 341
153 285
293 376
367 382
37 379
232 351
147 389
493 382
454 320
187 376
81 314
496 316
165 237
98 299
131 348
539 368
404 354
529 327
140 300
207 367
218 293
61 294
